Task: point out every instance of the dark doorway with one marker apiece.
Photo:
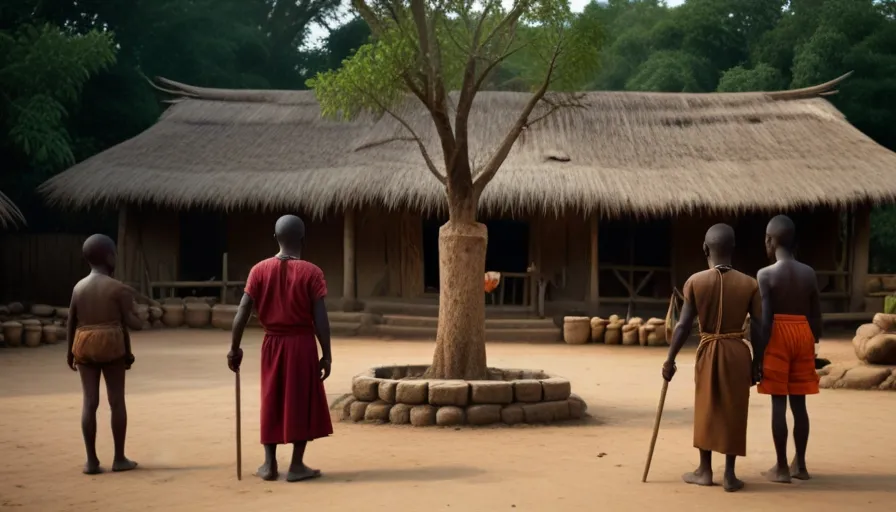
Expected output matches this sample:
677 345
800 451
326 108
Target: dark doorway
203 241
431 253
507 251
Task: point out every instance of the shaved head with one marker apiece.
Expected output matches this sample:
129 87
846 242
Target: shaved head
99 251
290 231
719 240
780 233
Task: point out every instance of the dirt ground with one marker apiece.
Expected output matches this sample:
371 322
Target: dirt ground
181 431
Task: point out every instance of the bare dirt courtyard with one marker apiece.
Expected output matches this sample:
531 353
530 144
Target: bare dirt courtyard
181 431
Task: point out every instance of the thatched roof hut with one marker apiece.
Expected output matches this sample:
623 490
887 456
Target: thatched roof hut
10 214
614 152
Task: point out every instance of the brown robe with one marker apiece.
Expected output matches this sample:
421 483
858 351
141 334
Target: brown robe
723 372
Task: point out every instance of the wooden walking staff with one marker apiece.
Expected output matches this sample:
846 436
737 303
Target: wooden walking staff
656 429
239 436
671 320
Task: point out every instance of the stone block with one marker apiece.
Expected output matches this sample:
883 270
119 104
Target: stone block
449 416
357 410
491 392
378 411
513 414
449 392
412 392
556 389
365 388
542 412
423 415
400 414
386 390
345 407
864 377
527 391
577 407
483 414
559 409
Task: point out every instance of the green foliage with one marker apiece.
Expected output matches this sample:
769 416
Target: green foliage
42 73
539 40
763 77
672 71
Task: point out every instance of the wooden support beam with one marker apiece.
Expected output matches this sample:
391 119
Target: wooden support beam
861 249
593 288
224 278
348 262
121 248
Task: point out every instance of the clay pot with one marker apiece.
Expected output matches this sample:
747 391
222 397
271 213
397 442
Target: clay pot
197 315
642 334
16 308
630 334
155 313
576 330
50 335
598 328
173 315
172 300
873 285
42 310
222 316
888 283
613 334
62 313
33 335
12 331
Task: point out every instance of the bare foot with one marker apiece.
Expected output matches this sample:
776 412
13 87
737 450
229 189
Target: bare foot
92 467
731 483
778 475
268 471
300 473
698 477
800 473
123 465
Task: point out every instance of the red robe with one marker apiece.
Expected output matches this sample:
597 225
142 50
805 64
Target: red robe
293 400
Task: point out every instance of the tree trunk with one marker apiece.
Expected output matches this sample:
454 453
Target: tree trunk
460 339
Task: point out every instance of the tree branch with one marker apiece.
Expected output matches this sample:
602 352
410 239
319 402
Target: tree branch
498 157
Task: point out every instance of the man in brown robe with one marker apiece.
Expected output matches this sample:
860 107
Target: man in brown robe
720 298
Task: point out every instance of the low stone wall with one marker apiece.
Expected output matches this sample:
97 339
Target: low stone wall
398 394
858 376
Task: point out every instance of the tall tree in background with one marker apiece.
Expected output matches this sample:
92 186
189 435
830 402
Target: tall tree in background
426 49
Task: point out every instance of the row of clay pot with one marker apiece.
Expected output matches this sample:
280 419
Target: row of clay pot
614 331
30 333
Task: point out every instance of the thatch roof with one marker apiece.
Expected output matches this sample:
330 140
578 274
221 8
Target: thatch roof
643 153
10 215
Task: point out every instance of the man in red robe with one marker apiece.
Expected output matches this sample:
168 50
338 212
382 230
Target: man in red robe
288 294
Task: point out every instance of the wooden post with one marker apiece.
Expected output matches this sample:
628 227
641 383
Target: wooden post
535 260
593 289
121 270
224 279
348 262
861 249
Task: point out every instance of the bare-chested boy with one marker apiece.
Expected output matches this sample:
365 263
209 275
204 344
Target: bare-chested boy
791 322
720 298
101 311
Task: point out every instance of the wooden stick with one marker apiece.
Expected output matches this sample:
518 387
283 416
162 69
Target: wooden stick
656 429
239 436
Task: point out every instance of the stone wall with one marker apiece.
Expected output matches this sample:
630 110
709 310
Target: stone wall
399 395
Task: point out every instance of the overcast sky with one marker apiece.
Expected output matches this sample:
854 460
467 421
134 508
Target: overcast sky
318 32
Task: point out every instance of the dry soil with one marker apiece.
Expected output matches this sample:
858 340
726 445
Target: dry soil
181 431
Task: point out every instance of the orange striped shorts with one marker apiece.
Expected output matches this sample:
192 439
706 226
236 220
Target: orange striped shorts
788 367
